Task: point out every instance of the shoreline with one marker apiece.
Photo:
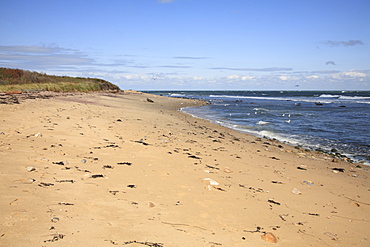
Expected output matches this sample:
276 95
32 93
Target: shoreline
333 153
114 169
324 148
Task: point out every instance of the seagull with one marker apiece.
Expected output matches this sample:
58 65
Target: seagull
288 121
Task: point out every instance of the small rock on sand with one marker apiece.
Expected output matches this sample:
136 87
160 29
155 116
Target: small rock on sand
269 237
296 191
211 182
331 235
38 135
228 170
31 168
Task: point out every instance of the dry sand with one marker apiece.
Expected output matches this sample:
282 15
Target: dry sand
116 169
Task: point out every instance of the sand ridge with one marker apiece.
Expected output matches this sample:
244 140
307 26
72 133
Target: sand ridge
118 169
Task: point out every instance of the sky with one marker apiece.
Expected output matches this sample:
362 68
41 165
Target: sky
193 44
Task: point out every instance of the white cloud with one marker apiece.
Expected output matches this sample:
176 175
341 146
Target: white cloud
288 78
246 78
240 77
136 77
175 66
306 80
144 75
354 74
269 69
283 77
312 77
233 77
41 57
33 49
349 75
198 78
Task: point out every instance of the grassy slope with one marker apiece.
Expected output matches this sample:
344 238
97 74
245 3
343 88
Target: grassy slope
23 80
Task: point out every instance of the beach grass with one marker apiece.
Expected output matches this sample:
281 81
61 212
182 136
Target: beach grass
55 87
23 80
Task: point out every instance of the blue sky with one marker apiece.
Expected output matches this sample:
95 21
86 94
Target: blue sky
193 44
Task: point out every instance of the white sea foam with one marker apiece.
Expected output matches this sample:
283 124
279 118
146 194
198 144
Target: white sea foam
260 109
342 96
264 133
280 137
329 96
177 95
262 122
273 98
353 97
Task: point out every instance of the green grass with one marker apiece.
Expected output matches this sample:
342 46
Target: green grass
55 87
23 80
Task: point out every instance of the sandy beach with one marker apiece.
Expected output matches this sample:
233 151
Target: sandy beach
130 169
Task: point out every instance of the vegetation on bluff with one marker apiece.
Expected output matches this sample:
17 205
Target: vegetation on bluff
23 80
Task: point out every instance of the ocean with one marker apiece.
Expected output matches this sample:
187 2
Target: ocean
330 121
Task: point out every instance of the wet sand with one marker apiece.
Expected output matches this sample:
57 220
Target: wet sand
118 170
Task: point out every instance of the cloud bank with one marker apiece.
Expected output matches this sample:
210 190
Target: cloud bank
254 69
175 66
41 57
160 74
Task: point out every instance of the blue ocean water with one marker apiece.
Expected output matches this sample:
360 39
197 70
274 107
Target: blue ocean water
327 120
